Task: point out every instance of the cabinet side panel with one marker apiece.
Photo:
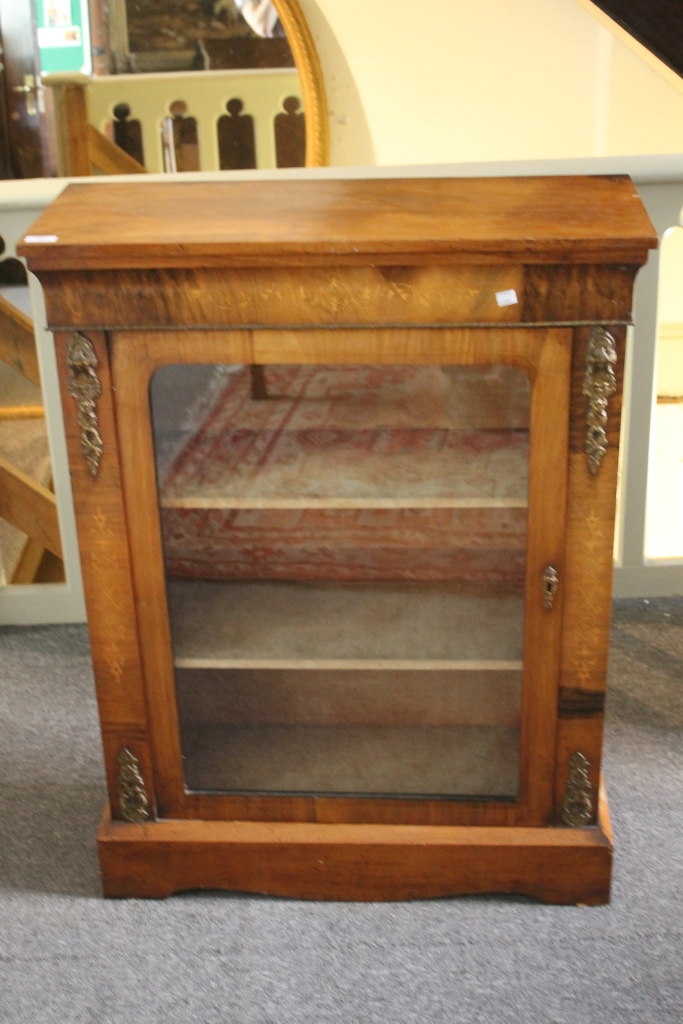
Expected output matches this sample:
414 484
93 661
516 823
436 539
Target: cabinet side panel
588 592
105 559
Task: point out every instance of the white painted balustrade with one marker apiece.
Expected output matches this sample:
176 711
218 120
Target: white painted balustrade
205 95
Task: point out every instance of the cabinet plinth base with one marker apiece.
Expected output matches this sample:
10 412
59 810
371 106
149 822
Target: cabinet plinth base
356 862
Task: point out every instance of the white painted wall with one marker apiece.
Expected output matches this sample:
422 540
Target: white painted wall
671 276
440 81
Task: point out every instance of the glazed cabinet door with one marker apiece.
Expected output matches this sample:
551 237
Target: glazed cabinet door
348 554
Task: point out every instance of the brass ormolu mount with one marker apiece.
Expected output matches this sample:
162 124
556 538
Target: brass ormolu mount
84 385
599 384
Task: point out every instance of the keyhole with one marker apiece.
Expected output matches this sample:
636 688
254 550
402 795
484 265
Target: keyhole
550 585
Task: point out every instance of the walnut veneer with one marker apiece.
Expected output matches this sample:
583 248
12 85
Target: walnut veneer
528 273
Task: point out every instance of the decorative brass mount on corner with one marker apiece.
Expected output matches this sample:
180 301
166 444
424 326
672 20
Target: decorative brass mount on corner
577 805
84 385
599 384
551 583
133 798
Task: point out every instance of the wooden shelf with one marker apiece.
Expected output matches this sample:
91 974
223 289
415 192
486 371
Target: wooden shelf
478 545
407 696
340 625
485 470
456 761
221 501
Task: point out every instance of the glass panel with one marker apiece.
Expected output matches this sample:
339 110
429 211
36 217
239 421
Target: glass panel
345 549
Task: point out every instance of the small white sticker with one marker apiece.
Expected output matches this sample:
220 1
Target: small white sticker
507 298
41 238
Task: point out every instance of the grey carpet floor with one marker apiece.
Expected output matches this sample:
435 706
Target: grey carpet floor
67 955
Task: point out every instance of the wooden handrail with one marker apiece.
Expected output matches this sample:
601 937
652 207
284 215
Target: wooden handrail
71 120
81 148
109 158
17 342
22 412
29 507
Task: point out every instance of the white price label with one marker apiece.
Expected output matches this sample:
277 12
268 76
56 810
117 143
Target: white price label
507 298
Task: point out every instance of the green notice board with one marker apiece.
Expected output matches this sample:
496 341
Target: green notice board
63 35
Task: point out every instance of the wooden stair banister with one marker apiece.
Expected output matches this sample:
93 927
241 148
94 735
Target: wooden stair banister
71 120
108 158
82 149
24 502
29 507
17 343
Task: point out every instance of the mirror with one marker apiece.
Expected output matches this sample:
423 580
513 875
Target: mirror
231 35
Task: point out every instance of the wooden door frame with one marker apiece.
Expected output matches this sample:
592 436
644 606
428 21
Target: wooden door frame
6 170
545 354
45 121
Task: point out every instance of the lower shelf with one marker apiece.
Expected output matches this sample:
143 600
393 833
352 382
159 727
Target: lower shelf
461 760
356 862
222 625
454 733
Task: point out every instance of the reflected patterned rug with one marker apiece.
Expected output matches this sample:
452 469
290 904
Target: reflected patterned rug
284 487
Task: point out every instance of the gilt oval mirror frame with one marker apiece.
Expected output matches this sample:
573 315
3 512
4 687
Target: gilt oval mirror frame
312 85
311 80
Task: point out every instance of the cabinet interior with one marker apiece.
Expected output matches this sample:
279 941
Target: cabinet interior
345 551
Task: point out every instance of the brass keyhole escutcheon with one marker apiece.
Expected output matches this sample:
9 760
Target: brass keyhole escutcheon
551 583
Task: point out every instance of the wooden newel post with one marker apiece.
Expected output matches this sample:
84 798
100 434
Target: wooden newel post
71 116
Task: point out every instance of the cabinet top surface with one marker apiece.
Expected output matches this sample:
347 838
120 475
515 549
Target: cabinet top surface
543 219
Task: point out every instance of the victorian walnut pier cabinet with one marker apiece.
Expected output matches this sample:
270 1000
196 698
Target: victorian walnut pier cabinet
344 456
